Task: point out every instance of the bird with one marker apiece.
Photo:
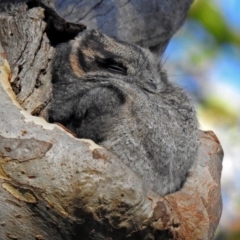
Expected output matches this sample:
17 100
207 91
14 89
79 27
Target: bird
118 95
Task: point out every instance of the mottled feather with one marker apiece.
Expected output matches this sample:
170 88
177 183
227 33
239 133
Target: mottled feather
118 95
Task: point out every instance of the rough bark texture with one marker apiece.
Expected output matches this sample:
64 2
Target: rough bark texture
54 186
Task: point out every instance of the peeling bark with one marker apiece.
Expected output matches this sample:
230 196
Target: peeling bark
54 186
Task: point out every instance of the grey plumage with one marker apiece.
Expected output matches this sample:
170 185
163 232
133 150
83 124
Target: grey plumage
118 95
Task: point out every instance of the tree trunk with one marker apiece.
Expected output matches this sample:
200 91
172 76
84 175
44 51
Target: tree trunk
55 186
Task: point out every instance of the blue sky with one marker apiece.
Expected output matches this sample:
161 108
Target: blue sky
192 39
231 12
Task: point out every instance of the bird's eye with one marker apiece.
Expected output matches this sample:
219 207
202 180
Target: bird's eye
112 66
116 68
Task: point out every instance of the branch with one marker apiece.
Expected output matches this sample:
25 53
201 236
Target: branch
147 23
54 186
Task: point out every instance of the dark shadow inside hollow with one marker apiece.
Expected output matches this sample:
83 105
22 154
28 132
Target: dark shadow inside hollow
58 29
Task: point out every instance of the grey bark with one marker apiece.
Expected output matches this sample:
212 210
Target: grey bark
54 186
147 23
